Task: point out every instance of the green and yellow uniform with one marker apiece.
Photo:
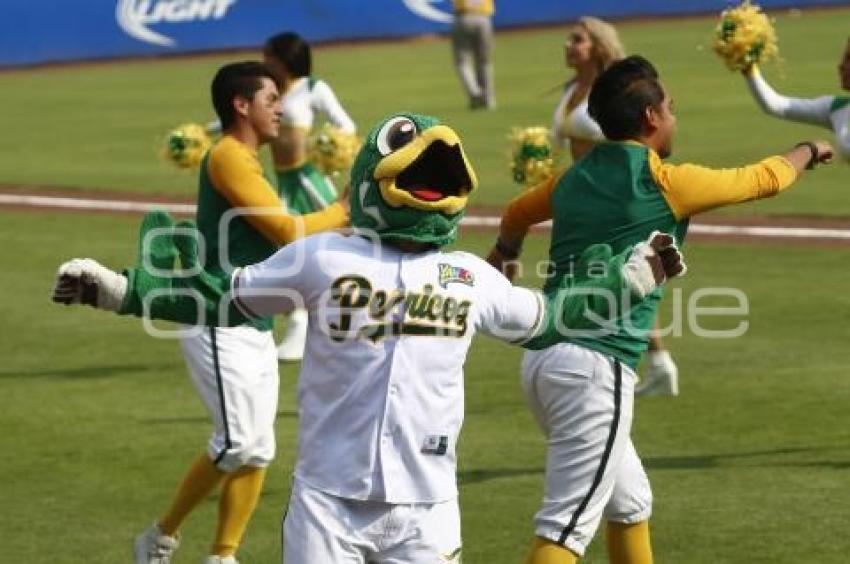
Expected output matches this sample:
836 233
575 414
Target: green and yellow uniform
302 186
305 189
618 194
232 177
480 7
580 386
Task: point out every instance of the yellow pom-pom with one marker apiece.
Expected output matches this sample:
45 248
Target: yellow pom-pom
531 155
331 150
186 145
745 36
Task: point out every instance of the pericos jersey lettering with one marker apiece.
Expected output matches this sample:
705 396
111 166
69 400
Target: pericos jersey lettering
395 312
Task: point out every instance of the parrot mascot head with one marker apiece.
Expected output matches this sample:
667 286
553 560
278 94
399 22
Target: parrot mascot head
411 181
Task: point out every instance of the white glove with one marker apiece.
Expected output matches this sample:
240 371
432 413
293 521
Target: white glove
652 263
85 281
661 365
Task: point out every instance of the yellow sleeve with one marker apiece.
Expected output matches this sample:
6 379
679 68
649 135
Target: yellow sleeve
691 189
529 208
237 175
482 7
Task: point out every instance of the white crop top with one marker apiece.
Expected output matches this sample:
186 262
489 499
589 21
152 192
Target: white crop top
308 97
577 123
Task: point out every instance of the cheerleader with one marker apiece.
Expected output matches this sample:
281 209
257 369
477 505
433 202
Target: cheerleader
832 112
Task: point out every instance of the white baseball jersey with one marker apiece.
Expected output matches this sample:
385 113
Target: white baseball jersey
381 386
307 97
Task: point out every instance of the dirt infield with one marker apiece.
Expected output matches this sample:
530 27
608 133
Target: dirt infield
753 230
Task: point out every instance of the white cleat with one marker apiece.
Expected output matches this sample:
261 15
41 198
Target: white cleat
221 560
662 376
291 348
154 547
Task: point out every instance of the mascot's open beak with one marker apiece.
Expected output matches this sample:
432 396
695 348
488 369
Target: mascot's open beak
430 173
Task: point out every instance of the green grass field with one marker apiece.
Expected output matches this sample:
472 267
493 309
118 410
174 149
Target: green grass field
99 126
749 465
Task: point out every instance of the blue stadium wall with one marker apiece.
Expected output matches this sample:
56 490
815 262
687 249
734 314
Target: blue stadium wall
39 31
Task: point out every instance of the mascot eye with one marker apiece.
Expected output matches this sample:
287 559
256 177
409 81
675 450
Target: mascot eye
395 134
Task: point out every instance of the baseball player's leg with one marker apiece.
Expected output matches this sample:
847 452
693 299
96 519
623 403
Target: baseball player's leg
319 528
240 490
629 543
291 348
291 192
544 551
483 60
235 373
462 49
319 189
198 483
662 374
427 532
158 543
305 189
628 511
240 493
583 401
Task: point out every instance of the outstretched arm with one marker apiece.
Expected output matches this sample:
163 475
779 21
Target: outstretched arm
691 189
840 117
239 179
531 207
156 289
202 299
327 103
815 111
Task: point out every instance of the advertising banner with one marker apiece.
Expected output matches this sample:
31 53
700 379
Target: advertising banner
38 31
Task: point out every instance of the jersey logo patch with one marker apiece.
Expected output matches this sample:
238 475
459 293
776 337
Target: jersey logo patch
435 444
449 274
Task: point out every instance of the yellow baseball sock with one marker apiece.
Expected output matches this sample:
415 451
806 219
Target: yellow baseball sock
629 544
544 551
197 484
239 495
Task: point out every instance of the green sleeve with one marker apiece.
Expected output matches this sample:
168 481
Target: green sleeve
170 296
195 300
595 285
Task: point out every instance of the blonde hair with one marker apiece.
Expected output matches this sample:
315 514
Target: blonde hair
607 47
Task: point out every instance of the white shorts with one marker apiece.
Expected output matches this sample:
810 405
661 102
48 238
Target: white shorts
583 401
235 371
321 529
